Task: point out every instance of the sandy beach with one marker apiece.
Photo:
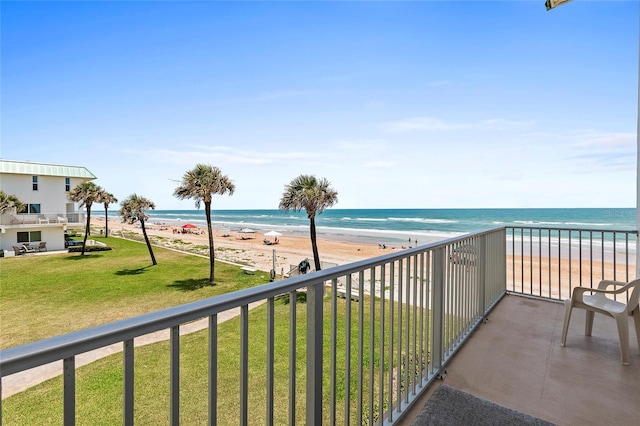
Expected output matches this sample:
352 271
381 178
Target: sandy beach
250 249
549 277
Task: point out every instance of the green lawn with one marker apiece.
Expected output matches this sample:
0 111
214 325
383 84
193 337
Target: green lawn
99 385
111 285
45 296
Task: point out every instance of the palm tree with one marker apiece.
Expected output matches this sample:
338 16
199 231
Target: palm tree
9 202
201 183
132 210
86 193
106 198
314 196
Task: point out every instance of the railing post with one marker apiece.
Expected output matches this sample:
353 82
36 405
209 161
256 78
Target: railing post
437 303
314 354
69 380
482 274
127 391
174 375
638 239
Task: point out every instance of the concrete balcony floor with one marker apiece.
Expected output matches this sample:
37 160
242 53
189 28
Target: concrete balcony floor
516 360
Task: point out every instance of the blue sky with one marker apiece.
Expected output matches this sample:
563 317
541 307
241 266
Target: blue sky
398 104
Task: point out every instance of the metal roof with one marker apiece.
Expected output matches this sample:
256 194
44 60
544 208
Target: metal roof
41 169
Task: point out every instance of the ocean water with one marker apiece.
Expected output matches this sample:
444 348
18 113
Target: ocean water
399 225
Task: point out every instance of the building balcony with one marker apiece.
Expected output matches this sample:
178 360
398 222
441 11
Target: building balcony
481 313
51 219
515 359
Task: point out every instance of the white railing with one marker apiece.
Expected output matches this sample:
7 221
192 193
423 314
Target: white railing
388 325
41 218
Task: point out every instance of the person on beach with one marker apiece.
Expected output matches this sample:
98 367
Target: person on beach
304 266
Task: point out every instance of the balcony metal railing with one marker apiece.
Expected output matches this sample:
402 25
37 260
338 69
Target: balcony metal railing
550 262
375 333
41 218
409 311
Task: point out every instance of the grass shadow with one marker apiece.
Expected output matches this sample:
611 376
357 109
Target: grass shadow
190 284
137 271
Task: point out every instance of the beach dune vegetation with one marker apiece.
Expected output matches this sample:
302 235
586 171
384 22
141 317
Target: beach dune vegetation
86 194
201 183
133 210
314 196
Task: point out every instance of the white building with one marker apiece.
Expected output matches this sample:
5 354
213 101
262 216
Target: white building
44 189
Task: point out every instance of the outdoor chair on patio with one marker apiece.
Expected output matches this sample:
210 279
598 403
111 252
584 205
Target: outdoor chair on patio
28 249
42 246
600 303
18 250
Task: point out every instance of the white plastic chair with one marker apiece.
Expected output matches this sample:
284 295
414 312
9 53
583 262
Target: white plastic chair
600 303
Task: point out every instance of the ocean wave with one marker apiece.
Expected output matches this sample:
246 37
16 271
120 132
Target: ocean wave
388 233
422 220
588 224
557 223
536 222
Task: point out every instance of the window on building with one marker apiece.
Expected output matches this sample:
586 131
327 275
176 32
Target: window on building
29 237
30 208
34 180
67 184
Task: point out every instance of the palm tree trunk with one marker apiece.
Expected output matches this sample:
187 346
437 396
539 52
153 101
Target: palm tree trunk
106 222
146 239
314 245
86 229
207 212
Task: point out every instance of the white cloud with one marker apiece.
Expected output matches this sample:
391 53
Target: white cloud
219 155
440 83
380 164
438 124
278 94
617 140
502 124
361 145
604 162
420 123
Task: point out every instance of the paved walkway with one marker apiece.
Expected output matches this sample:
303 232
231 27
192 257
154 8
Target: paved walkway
18 382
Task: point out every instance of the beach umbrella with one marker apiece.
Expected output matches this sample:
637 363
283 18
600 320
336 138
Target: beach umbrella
273 234
189 226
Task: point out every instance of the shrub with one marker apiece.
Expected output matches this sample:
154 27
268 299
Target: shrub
78 249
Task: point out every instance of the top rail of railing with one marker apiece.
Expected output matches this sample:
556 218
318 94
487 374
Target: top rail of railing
565 229
9 218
